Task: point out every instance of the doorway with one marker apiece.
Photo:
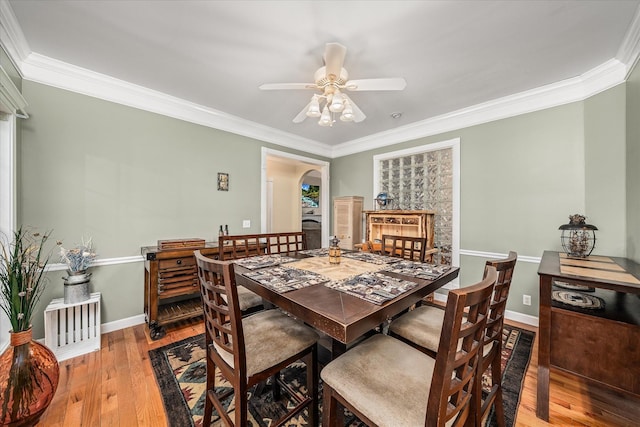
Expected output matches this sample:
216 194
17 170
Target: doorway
311 188
281 207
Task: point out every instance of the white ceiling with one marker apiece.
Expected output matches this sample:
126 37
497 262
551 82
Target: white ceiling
458 58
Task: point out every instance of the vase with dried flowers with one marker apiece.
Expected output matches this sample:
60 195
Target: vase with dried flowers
29 371
78 260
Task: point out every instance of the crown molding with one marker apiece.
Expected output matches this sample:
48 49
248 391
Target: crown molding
51 72
603 77
41 69
629 50
11 37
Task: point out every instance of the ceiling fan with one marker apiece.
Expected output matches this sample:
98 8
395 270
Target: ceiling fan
332 81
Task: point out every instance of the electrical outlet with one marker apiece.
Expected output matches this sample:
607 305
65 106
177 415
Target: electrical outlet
246 223
526 299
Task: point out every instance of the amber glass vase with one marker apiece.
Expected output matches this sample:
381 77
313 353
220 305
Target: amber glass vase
29 374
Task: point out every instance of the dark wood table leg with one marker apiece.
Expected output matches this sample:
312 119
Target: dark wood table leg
337 348
544 349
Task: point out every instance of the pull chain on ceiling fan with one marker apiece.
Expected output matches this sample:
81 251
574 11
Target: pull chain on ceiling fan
332 81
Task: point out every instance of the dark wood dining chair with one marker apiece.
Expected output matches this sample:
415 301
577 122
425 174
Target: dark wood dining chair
423 326
246 245
386 382
248 350
411 248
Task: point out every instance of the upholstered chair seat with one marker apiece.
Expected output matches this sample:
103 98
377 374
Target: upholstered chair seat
421 326
247 299
386 379
270 337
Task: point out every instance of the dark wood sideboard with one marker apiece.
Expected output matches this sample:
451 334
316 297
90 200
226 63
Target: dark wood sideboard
171 291
599 345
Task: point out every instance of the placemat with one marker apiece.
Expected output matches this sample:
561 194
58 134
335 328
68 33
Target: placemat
316 252
371 258
347 267
285 279
420 270
262 261
373 287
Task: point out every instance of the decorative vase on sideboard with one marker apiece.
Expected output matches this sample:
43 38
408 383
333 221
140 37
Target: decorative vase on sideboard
29 374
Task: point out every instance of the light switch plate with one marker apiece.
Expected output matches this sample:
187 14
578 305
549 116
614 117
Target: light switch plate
246 223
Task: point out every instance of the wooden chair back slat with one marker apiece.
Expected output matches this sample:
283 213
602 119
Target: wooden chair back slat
410 248
246 245
459 350
222 315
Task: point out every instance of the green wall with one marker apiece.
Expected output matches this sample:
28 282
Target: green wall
605 176
633 162
126 178
521 178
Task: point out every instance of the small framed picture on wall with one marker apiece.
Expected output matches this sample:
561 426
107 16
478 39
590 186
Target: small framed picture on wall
223 181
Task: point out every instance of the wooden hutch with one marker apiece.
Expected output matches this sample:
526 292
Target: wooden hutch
414 223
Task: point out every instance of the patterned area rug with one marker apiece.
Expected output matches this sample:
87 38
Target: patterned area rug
180 370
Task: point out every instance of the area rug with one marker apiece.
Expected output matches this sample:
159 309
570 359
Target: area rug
180 370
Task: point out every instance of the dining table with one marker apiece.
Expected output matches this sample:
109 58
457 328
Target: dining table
344 301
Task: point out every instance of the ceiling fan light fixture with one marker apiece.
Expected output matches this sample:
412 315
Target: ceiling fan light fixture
347 112
325 118
314 107
337 103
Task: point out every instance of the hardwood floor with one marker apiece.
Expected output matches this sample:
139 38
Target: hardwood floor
116 387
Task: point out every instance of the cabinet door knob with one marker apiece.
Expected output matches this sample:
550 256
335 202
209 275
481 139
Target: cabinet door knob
179 261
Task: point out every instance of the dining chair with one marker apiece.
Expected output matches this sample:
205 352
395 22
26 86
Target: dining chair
411 248
386 382
423 326
248 350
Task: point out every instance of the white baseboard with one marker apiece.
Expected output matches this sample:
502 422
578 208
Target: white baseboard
508 314
122 323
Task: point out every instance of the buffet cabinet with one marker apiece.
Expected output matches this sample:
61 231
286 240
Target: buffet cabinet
414 223
598 341
171 288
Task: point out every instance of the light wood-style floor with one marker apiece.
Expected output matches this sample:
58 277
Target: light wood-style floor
116 387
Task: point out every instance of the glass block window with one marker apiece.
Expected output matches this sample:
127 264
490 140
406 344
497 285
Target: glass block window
419 181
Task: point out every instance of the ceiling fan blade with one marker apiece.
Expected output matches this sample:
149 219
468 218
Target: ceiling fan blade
280 86
334 54
358 115
397 83
302 114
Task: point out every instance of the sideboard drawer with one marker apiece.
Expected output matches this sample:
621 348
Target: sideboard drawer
177 263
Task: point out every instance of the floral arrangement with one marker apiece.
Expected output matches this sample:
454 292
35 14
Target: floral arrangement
78 259
22 279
